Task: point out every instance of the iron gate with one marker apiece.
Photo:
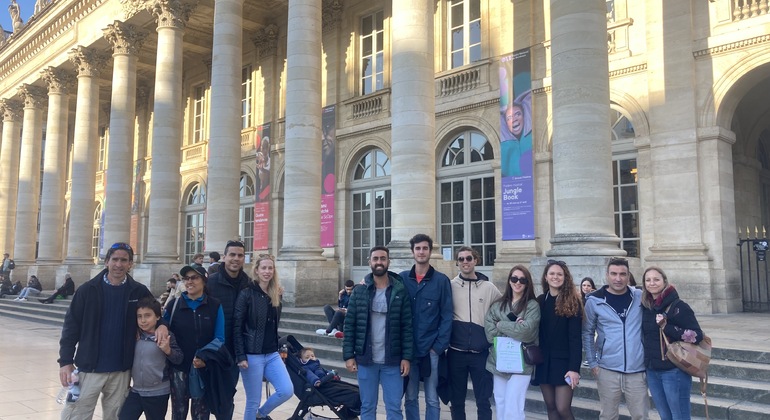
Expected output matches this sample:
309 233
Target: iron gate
754 274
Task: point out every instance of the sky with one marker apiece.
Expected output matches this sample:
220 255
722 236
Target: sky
27 7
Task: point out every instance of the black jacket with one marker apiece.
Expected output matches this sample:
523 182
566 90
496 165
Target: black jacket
680 317
251 311
219 287
217 379
82 324
193 329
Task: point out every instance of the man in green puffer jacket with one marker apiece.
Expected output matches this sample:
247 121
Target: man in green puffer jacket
378 344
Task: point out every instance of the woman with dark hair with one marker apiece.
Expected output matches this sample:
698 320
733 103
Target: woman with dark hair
561 313
663 310
516 315
586 286
33 289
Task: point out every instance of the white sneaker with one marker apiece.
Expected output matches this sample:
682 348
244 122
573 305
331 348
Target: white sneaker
334 331
321 331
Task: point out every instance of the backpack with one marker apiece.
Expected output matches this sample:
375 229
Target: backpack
11 264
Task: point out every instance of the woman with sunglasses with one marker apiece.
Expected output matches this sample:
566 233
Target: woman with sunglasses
255 335
561 313
516 315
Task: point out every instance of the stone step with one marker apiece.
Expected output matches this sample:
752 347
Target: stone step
739 370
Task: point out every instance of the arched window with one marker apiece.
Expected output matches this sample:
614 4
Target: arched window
371 207
624 181
96 236
246 212
195 226
467 213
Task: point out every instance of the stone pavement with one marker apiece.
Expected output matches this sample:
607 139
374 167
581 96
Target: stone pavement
29 373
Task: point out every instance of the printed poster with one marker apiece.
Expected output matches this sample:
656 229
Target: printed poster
262 188
328 176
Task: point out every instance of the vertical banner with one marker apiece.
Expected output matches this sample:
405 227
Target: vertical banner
328 178
136 204
262 188
518 213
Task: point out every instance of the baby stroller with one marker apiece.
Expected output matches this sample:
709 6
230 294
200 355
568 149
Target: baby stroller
341 397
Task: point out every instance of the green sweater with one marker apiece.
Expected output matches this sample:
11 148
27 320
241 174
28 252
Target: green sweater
526 332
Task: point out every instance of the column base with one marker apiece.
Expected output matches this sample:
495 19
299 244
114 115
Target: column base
585 244
155 258
154 275
46 272
509 257
308 282
593 266
80 272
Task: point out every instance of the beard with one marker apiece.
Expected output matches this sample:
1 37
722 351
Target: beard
379 270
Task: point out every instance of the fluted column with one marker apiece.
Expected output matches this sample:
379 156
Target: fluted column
222 201
89 63
163 229
302 195
29 174
582 176
49 252
413 124
9 175
126 40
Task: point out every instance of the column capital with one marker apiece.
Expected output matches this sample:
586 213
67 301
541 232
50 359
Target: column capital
126 39
59 81
33 96
331 15
88 61
266 41
13 109
172 13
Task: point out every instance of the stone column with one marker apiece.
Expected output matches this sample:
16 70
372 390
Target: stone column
413 128
29 175
300 256
266 41
224 169
89 63
126 40
49 253
163 236
9 175
581 143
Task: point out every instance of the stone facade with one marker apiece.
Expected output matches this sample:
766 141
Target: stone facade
649 135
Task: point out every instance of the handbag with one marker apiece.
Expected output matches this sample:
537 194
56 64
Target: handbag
531 353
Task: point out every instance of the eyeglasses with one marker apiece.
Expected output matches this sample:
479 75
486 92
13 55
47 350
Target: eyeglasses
557 262
122 245
191 278
522 280
467 258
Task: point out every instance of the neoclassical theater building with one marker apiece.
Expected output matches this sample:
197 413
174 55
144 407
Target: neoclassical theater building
315 129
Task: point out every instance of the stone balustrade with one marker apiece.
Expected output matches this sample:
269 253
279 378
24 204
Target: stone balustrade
745 9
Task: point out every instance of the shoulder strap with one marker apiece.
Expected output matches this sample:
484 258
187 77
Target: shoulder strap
671 305
173 310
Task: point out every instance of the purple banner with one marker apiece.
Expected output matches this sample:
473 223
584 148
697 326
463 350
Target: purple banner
262 190
518 211
328 177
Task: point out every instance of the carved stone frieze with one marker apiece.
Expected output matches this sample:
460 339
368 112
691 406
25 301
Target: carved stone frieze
13 110
33 96
172 13
88 61
124 37
266 41
331 15
59 81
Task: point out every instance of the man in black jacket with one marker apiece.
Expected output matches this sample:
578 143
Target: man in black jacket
101 323
225 285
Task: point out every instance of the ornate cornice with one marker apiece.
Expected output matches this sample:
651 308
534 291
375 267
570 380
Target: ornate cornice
266 41
87 61
482 104
331 15
172 13
628 70
59 81
732 46
33 96
126 39
13 110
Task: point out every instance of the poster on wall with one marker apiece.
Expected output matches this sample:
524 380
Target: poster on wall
328 177
517 184
262 188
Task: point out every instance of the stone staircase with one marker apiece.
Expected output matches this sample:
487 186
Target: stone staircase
739 385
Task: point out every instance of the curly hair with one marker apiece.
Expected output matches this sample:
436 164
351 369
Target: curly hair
568 302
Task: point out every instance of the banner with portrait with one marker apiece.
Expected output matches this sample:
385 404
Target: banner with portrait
328 176
517 186
262 188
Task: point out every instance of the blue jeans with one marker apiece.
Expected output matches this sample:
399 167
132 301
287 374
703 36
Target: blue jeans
411 403
369 379
670 390
270 367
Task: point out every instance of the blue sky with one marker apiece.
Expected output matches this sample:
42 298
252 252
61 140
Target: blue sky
27 7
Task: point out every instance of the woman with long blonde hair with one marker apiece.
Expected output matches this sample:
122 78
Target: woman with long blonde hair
255 334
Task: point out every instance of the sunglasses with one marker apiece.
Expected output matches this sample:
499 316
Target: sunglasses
191 278
522 280
557 262
122 245
467 258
